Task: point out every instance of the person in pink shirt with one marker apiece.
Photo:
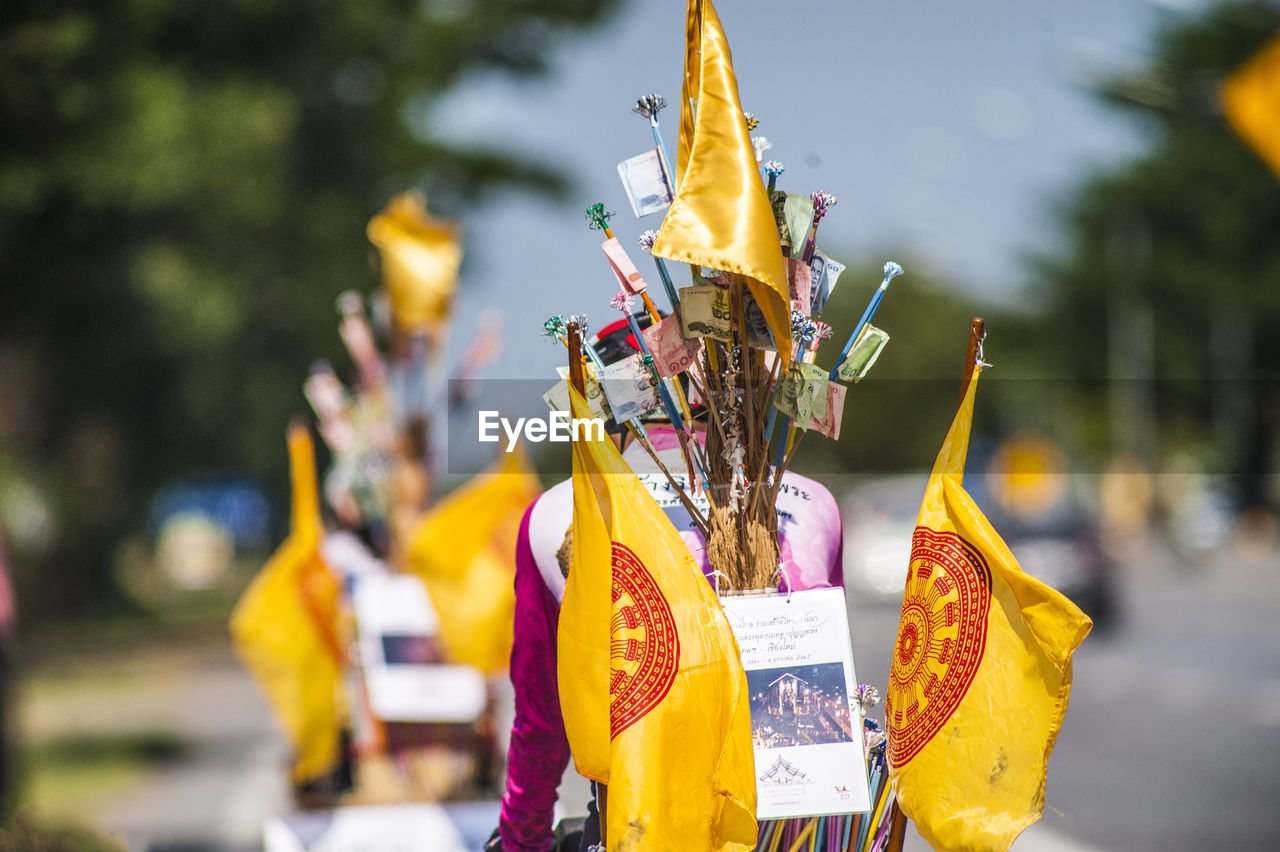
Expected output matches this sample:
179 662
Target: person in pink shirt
809 534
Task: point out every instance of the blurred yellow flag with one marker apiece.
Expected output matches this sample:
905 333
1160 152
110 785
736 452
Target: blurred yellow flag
464 550
420 258
721 216
284 628
1251 100
981 670
651 682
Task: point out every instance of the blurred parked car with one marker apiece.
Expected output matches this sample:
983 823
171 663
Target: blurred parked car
1059 545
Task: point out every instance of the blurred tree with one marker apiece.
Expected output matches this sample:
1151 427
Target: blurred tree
183 191
1169 282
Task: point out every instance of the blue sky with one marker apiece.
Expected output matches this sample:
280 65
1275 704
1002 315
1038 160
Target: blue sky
946 130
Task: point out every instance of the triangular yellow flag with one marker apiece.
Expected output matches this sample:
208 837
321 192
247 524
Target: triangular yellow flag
651 682
721 216
420 258
284 628
1251 100
464 550
981 670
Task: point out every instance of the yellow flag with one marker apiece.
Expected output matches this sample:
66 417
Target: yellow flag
721 216
420 258
464 550
651 682
981 670
285 628
1251 100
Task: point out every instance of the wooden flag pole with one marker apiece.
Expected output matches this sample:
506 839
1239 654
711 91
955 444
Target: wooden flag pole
977 333
574 340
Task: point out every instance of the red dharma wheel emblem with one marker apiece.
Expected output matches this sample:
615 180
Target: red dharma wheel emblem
941 637
645 651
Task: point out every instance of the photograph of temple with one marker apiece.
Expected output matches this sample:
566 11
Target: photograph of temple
799 705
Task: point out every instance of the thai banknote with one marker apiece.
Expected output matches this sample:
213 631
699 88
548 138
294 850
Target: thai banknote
797 390
828 410
645 178
705 312
673 353
757 331
800 279
863 354
628 276
557 398
798 210
778 200
824 272
630 388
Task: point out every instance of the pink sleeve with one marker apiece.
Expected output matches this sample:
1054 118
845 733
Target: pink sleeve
539 750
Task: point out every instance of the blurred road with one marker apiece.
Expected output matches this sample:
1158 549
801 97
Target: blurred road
1172 740
1172 737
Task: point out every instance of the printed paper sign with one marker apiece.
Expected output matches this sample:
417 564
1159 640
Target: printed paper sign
645 178
672 352
805 726
628 276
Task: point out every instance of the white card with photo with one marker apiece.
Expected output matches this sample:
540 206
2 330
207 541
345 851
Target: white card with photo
805 723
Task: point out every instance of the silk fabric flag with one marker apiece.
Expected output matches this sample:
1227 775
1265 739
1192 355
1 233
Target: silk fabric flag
981 670
420 259
721 216
1251 101
284 628
464 550
651 682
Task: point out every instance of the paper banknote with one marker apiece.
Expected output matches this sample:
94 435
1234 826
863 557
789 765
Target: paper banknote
796 392
645 178
630 388
557 398
628 276
862 356
779 201
828 410
758 333
799 277
673 353
824 272
798 210
704 312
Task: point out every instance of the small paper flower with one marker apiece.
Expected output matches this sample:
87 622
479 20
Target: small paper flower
760 144
554 327
648 106
598 217
752 121
891 271
647 238
867 695
581 320
621 301
773 168
821 201
822 330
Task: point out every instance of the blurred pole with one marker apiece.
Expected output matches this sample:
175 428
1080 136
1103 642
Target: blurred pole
1130 341
1231 365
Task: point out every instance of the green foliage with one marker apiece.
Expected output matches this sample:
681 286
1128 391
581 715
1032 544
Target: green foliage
183 191
1177 246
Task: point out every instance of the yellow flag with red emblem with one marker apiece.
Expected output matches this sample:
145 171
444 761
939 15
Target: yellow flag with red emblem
284 628
464 550
652 688
1251 101
981 670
